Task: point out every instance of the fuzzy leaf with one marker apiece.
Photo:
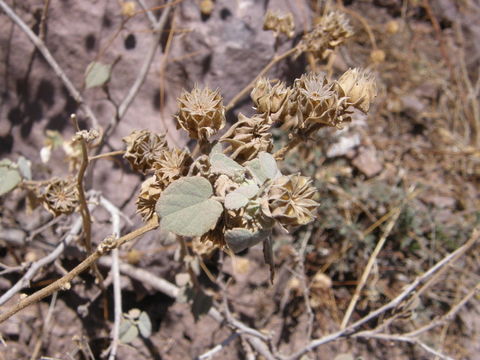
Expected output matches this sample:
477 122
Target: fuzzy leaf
239 239
235 200
24 166
128 331
144 325
268 165
249 190
185 207
97 74
263 168
222 164
239 197
9 176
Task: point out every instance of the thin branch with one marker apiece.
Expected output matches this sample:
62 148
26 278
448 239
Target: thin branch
219 347
105 246
368 268
37 265
40 45
157 29
45 327
303 279
169 289
117 286
405 294
407 339
106 155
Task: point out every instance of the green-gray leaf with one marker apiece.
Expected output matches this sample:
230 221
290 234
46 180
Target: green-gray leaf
97 74
24 166
9 176
185 207
263 168
239 239
128 331
240 197
144 325
222 164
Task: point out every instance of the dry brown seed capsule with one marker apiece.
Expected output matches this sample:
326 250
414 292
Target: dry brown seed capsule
319 102
270 99
279 23
359 87
143 148
392 27
291 200
377 56
201 113
247 137
171 165
61 196
146 201
206 7
330 31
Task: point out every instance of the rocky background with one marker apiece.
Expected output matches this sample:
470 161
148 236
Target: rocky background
423 132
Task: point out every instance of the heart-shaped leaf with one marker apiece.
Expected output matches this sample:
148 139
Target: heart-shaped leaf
128 331
97 74
24 166
185 207
9 176
144 325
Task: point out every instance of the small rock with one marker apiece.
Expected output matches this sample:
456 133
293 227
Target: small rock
367 162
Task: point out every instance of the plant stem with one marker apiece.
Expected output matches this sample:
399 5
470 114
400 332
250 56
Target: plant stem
64 282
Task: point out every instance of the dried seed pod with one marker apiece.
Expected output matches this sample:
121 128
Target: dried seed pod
60 196
330 31
143 149
279 24
291 200
201 113
149 194
171 165
247 137
270 100
359 87
206 7
318 101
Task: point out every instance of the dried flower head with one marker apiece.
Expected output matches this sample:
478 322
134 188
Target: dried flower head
359 87
330 31
279 24
201 113
61 196
291 200
171 165
149 194
143 149
247 137
268 99
318 101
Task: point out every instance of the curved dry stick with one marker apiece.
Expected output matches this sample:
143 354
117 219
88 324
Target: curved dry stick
36 266
403 296
40 45
64 282
368 268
